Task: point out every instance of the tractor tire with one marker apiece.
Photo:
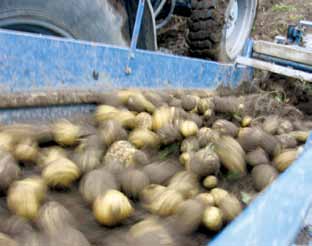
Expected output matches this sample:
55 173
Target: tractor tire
207 28
104 21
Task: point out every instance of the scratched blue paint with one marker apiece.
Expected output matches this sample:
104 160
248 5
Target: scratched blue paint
275 217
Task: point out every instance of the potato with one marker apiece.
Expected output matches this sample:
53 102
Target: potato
189 102
285 126
263 175
133 182
188 128
225 127
257 157
144 120
212 218
271 124
285 159
121 151
169 134
9 170
5 240
141 138
287 141
230 207
210 182
95 183
111 208
190 144
68 236
186 183
26 151
138 102
206 199
65 132
112 131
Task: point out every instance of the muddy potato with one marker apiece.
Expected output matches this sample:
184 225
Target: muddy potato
139 103
188 216
210 182
189 102
287 141
144 120
133 182
205 104
61 173
195 118
166 203
301 136
250 138
9 170
141 138
53 217
95 183
204 162
246 121
111 208
263 175
270 144
141 158
188 128
285 126
26 150
186 183
5 240
32 239
225 127
218 194
206 199
112 131
271 124
162 116
150 193
155 98
151 232
88 154
15 225
231 154
190 144
68 236
161 172
121 151
230 207
205 136
213 218
175 102
7 141
228 105
66 133
282 161
25 196
257 157
169 134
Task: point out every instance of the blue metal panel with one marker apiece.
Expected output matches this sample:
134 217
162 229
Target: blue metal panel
29 62
277 214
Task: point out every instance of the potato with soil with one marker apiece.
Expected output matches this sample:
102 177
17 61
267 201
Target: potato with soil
165 204
144 120
271 124
68 236
150 193
169 134
66 133
230 207
121 151
257 157
206 199
210 182
151 232
188 128
213 218
231 154
206 135
204 162
53 217
26 151
190 102
25 197
95 183
111 208
61 172
228 105
263 175
161 172
204 105
144 138
282 161
9 170
139 103
112 131
188 216
285 126
287 141
225 127
190 144
133 182
88 153
186 183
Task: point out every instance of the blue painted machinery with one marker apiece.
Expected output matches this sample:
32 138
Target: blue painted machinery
31 65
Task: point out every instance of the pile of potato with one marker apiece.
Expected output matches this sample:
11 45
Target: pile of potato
165 151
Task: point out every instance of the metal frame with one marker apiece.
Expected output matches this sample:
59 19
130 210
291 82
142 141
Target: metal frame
32 63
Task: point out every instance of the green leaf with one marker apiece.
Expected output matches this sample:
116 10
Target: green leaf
246 198
169 150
